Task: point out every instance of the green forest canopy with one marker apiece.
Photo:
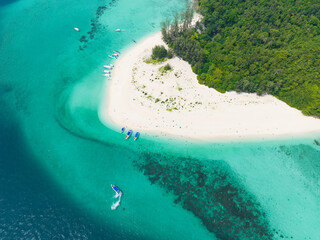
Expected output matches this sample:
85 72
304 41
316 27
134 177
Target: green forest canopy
265 46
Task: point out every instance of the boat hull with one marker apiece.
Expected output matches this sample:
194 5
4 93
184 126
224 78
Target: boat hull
136 136
129 134
116 189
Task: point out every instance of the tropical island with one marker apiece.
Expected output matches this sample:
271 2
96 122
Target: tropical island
236 78
266 47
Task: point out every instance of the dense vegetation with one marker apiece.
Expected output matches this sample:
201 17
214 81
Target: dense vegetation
266 46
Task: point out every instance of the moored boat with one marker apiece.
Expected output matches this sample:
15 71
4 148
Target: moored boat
108 66
77 29
122 130
115 51
107 75
111 56
129 134
136 136
106 71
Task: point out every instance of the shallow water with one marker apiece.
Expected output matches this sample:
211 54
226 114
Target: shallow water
58 160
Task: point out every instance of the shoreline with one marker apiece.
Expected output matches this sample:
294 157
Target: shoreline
132 100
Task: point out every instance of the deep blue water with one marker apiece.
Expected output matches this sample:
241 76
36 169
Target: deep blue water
32 206
6 2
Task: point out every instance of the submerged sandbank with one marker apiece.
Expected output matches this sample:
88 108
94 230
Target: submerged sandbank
143 98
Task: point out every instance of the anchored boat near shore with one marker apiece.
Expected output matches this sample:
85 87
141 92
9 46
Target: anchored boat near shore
136 136
129 134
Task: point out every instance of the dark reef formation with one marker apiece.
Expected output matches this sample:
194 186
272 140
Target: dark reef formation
95 25
212 192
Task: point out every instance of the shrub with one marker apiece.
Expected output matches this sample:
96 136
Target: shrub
159 52
167 67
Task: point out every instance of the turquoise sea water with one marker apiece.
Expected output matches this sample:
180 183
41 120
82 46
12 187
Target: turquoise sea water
58 160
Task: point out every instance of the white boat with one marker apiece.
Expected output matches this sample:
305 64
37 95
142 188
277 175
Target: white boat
115 54
107 75
106 71
77 29
118 30
111 56
108 66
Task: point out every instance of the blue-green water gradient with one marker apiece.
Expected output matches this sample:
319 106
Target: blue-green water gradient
51 87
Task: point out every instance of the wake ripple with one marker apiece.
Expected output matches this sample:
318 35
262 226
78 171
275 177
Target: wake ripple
117 203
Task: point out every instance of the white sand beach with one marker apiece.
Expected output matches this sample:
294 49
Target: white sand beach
142 98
